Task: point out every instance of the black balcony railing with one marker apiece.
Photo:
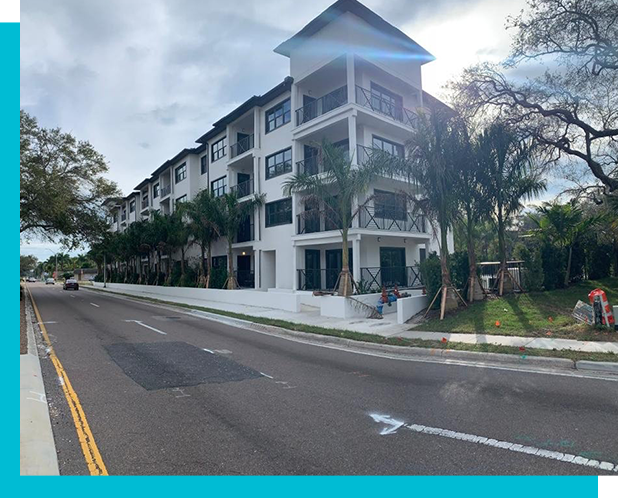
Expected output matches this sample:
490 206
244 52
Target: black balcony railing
320 106
243 189
245 233
393 218
318 278
367 98
242 146
405 277
166 190
310 166
315 220
245 278
144 204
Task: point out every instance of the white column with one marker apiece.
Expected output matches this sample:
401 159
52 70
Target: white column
295 260
257 256
356 256
257 136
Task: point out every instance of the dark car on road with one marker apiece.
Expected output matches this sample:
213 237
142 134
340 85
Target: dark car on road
70 283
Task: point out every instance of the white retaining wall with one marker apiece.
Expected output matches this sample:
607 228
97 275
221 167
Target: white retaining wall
287 301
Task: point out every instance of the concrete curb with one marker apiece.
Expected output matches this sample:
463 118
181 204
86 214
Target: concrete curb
420 354
598 366
37 450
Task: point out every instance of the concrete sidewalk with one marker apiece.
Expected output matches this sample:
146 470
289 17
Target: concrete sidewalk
37 450
387 327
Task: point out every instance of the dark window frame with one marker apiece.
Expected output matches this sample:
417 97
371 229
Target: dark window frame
385 141
273 114
219 187
218 148
275 166
132 205
204 164
155 191
215 261
280 213
180 200
180 173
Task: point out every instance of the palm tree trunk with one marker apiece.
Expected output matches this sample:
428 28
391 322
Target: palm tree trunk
567 276
502 252
345 280
231 280
182 262
472 279
208 268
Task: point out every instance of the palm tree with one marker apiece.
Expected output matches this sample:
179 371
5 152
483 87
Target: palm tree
433 164
229 216
178 238
511 176
337 189
564 225
201 214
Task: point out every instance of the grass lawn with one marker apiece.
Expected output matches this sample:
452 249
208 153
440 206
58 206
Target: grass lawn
394 341
529 314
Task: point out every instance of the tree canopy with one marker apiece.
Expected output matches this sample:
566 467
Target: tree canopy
62 187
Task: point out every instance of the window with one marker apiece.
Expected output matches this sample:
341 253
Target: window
182 199
155 191
278 115
390 205
391 148
132 207
279 163
219 187
219 261
218 149
181 172
204 164
386 102
422 254
279 212
115 217
144 200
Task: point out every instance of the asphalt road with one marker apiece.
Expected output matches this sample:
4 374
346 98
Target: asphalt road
158 403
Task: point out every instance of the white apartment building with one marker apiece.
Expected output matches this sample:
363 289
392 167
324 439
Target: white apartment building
355 80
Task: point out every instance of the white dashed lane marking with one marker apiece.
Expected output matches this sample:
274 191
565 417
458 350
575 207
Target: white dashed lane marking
95 305
147 326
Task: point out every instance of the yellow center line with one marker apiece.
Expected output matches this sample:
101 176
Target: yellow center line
84 434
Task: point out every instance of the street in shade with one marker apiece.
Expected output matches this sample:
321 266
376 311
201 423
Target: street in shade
166 391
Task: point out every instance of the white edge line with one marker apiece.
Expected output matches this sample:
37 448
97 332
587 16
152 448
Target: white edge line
208 351
518 448
95 305
436 361
262 373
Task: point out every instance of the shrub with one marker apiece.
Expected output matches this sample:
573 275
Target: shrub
459 268
189 279
67 275
599 261
432 276
533 275
554 266
175 277
98 278
218 278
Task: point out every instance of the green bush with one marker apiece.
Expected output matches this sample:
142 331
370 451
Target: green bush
189 279
554 266
98 278
599 261
67 275
432 276
459 268
533 275
175 278
218 278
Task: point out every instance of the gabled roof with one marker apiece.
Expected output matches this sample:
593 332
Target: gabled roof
358 9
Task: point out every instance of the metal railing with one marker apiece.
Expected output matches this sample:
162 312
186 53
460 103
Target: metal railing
165 191
144 204
392 218
320 106
367 98
243 189
315 220
318 278
489 273
245 233
405 277
242 146
245 278
310 166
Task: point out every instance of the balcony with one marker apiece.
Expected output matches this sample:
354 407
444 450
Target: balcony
245 233
310 166
123 218
392 218
320 106
315 220
165 191
366 98
242 146
242 189
405 277
144 204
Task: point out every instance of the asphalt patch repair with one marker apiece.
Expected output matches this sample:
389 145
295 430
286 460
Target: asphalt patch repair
165 365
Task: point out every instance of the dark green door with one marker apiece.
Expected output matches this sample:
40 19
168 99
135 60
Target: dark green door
393 266
312 270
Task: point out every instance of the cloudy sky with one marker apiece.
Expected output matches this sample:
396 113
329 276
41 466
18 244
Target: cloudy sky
141 79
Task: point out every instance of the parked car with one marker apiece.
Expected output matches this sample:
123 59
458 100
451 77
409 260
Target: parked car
31 279
50 281
70 283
